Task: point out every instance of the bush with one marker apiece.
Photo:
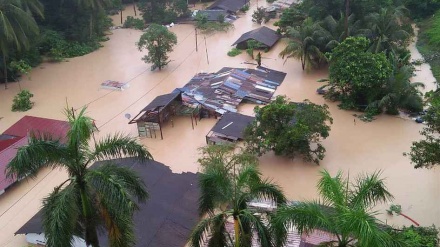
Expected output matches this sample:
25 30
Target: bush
22 101
245 8
135 23
234 52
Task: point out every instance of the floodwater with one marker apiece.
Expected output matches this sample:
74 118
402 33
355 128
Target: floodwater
353 147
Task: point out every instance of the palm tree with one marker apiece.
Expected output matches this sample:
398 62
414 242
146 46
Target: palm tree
305 42
17 25
385 29
89 199
344 211
228 183
336 29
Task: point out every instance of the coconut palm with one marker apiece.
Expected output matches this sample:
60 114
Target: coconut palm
228 183
304 44
336 29
89 199
17 26
385 29
345 211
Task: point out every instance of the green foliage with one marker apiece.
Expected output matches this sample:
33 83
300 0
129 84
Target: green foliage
345 209
251 46
259 15
422 8
428 48
234 52
414 236
159 42
245 8
135 23
163 11
207 27
291 17
201 19
21 67
229 181
22 101
90 199
289 129
426 153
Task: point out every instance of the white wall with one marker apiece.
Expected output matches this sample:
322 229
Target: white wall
34 238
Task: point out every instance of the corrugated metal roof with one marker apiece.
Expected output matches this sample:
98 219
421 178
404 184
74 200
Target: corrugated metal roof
18 133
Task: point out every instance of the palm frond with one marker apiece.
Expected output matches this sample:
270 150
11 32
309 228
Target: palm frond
60 214
215 189
369 190
81 127
41 151
210 230
332 189
118 146
257 225
266 189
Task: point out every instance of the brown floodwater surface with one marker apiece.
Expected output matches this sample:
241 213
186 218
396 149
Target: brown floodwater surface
351 148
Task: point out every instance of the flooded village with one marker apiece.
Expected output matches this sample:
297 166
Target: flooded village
354 147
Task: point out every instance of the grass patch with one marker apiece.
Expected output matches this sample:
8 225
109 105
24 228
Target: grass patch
234 52
429 43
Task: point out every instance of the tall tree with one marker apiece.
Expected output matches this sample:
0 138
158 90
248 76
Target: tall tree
304 44
158 41
17 24
89 199
229 182
426 153
290 129
345 210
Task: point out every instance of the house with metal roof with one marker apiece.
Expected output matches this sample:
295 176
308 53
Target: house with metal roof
166 219
264 35
231 6
17 136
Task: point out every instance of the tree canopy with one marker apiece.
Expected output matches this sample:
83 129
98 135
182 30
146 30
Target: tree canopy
345 210
229 181
89 200
290 129
159 42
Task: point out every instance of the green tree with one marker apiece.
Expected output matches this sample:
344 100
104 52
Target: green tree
426 153
345 210
258 15
229 182
22 101
158 41
17 25
289 129
90 199
417 236
304 44
291 17
357 77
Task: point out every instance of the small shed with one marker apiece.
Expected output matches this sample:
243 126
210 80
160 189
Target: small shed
230 128
161 109
231 6
264 35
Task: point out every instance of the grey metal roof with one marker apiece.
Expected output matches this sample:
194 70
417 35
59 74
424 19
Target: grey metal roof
232 124
263 35
160 101
168 216
228 5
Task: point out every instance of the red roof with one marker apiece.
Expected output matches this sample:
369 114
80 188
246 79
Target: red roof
28 124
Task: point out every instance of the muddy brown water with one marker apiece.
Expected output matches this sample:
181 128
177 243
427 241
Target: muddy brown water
351 148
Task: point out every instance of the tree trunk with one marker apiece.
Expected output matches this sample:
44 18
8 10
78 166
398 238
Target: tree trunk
91 26
91 236
347 12
5 71
237 231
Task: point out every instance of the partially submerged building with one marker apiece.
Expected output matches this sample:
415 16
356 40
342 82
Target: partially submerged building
229 129
165 220
18 135
230 6
263 35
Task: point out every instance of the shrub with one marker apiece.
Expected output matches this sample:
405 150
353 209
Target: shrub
22 101
245 8
135 23
234 52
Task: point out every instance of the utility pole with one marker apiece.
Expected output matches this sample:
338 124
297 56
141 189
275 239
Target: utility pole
206 47
121 14
196 40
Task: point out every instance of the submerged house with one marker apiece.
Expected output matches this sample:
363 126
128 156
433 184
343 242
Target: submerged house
230 128
165 220
230 6
17 136
264 35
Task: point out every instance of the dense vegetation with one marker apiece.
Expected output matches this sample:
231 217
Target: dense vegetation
290 129
50 28
163 11
370 73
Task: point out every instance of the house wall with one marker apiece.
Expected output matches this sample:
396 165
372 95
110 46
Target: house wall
40 239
